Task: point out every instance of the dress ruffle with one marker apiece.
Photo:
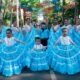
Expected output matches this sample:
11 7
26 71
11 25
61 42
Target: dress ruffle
38 60
76 37
65 59
53 37
12 59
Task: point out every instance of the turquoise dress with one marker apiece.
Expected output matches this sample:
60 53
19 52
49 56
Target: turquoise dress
29 38
70 32
51 41
76 36
54 35
38 60
12 59
44 34
38 31
64 58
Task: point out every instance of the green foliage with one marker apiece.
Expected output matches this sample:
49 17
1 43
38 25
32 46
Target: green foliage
29 3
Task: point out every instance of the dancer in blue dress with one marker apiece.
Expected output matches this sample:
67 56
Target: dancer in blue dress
16 31
12 55
68 26
38 56
76 33
38 30
55 33
44 34
65 55
28 31
30 34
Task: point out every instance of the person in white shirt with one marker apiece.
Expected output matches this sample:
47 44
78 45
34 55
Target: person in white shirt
38 56
64 55
38 45
77 25
67 24
55 26
65 39
15 28
27 27
12 56
10 40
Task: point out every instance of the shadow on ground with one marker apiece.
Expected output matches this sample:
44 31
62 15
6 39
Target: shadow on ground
42 75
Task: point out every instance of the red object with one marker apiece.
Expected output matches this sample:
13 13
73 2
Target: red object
49 9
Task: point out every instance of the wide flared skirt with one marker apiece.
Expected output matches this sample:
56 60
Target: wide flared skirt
38 60
12 59
65 59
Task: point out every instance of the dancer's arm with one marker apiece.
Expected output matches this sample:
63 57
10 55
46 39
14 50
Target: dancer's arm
72 42
57 42
17 40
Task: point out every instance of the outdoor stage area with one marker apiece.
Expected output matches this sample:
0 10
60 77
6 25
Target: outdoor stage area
44 75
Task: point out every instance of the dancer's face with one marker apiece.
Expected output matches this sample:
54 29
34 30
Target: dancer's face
65 32
28 21
66 22
9 34
38 25
38 41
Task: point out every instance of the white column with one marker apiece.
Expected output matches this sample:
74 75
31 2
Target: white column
17 14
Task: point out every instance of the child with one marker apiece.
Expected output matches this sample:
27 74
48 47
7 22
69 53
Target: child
38 45
65 55
38 56
12 55
10 40
65 39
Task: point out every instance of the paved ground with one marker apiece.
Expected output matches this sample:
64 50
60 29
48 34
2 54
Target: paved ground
44 75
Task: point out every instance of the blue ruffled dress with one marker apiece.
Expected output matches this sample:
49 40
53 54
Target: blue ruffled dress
38 60
76 36
65 59
38 31
12 59
44 34
54 36
29 38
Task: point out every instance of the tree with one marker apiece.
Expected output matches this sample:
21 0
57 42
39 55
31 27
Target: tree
78 6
